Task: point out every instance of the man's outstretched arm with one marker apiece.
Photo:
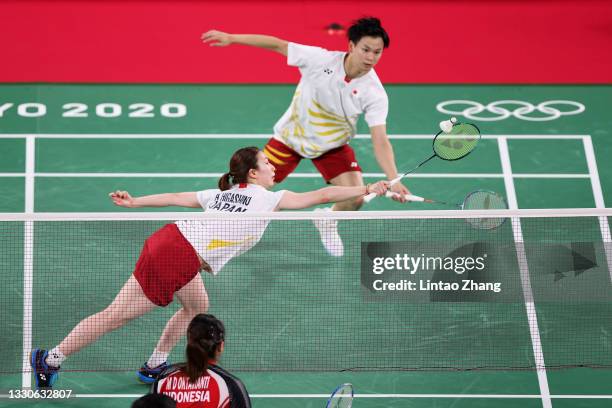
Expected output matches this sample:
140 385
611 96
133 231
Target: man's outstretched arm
221 39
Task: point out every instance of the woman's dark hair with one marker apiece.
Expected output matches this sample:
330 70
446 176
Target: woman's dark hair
204 337
241 162
367 27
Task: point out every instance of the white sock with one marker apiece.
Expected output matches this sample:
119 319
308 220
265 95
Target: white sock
157 359
55 357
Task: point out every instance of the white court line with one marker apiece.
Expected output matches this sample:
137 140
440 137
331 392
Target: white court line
599 200
593 172
524 273
549 175
258 136
293 175
28 261
308 175
490 396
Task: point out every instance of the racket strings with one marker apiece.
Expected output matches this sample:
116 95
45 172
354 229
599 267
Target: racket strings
458 143
454 145
342 397
484 200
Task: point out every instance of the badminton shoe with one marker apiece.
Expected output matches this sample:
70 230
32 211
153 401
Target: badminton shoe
44 374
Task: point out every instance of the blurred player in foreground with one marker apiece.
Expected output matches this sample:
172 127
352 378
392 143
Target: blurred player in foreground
200 382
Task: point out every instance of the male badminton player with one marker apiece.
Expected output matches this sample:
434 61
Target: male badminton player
335 88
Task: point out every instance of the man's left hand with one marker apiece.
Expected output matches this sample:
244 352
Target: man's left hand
401 191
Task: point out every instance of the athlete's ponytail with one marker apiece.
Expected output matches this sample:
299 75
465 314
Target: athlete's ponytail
242 161
224 182
204 337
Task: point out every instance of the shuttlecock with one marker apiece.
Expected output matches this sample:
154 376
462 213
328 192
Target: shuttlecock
447 125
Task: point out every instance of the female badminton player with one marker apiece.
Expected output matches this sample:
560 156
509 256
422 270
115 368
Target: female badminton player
173 256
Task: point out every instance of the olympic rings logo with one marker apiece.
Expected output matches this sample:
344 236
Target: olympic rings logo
550 109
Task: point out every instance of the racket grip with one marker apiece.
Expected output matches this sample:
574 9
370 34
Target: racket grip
408 197
369 197
396 180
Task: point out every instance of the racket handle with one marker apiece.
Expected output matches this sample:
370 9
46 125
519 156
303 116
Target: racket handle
396 180
371 196
408 197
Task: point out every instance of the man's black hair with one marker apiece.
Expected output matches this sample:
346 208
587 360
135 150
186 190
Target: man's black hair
368 27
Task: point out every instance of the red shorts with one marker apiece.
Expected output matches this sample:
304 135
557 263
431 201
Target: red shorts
166 264
330 164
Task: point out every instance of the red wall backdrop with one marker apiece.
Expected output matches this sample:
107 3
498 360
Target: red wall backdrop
431 41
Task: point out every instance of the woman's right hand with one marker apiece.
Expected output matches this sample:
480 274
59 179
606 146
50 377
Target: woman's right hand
122 198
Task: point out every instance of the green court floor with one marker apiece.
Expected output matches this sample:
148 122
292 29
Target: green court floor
55 163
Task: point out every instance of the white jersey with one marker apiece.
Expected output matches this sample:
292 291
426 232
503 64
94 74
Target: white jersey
218 241
325 107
